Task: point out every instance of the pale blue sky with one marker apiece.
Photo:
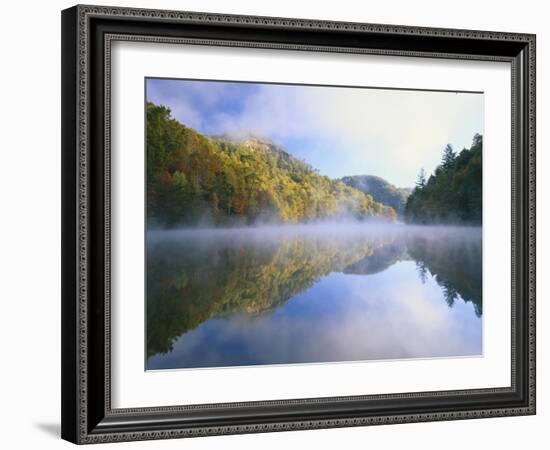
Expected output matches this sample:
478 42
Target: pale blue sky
339 131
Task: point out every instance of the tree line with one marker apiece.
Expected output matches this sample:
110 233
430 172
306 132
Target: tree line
453 193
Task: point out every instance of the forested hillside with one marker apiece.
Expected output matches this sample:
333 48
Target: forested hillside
381 190
453 193
192 179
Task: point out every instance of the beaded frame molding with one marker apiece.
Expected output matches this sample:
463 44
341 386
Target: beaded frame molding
87 35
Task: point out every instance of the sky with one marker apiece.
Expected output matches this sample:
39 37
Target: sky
338 130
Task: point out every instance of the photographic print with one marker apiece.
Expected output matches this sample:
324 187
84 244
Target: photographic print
292 224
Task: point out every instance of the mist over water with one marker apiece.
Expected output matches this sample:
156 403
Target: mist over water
345 291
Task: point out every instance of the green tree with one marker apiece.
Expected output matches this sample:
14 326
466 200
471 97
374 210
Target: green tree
448 158
421 179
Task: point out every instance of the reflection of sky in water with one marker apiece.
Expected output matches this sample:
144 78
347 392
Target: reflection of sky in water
342 317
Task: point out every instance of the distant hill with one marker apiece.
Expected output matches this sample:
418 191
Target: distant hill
381 190
195 179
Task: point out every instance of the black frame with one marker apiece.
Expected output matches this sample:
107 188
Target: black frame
87 33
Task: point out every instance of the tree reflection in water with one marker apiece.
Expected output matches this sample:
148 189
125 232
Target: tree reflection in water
197 275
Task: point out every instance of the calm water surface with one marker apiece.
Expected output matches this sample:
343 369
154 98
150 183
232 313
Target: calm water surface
312 294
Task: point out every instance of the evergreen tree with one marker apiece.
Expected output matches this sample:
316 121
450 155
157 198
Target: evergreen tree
421 179
449 157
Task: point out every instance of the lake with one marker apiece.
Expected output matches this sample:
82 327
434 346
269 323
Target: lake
311 294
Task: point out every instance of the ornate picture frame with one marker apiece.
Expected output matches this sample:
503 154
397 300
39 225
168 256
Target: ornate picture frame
88 33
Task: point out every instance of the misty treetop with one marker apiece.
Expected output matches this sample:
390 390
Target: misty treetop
193 178
453 193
